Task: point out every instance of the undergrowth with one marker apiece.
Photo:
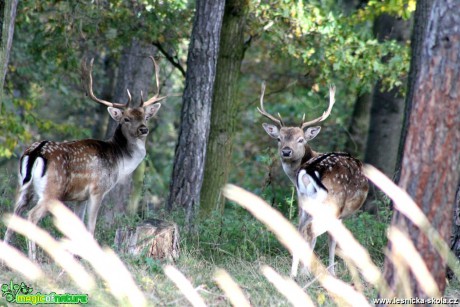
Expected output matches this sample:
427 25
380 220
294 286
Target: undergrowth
234 241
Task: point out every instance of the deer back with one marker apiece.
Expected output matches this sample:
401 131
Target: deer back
334 178
72 171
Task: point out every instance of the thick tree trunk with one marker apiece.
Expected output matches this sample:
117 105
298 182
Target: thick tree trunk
219 149
387 110
187 175
455 238
386 119
136 74
7 19
418 35
106 90
430 163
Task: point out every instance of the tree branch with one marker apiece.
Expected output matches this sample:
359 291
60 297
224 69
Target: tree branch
172 59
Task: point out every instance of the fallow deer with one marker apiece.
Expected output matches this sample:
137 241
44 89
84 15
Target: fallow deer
84 170
325 179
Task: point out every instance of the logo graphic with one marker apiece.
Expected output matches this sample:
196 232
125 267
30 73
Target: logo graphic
22 294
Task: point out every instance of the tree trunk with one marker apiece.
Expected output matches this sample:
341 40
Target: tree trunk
7 19
220 143
455 238
187 175
135 73
430 163
106 90
418 35
359 126
350 6
387 110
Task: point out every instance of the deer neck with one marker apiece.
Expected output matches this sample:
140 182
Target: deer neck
291 167
129 153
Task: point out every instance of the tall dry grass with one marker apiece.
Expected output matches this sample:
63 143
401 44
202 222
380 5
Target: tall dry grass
106 265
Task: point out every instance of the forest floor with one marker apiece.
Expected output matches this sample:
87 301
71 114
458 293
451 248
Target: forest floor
241 246
160 291
234 241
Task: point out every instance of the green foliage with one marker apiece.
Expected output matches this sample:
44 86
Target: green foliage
333 46
374 8
18 126
41 96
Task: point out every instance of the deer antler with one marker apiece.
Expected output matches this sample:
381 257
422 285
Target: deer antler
265 113
88 84
326 113
155 97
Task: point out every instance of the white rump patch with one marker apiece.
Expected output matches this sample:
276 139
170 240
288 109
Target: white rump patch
38 180
309 188
22 173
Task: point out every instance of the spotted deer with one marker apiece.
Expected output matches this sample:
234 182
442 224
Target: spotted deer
84 170
324 179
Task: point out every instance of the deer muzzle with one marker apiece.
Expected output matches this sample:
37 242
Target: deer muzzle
143 130
286 152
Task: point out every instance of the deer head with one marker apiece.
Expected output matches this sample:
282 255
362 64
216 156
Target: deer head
132 120
84 170
293 141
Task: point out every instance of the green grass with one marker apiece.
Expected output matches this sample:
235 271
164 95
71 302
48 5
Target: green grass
236 242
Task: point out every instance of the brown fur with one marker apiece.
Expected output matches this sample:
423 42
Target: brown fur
338 175
82 170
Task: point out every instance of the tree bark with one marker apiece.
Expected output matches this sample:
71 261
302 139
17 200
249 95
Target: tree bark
106 90
386 112
152 238
8 17
224 103
430 163
135 73
359 126
455 238
421 16
187 175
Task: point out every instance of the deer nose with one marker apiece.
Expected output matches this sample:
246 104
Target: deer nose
286 152
143 130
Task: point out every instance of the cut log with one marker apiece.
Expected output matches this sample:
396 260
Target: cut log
153 238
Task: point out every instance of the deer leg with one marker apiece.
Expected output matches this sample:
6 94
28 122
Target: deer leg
296 260
332 244
93 210
312 244
24 198
35 215
295 265
80 210
305 230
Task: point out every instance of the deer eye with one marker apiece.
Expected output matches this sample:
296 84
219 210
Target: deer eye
279 140
127 120
301 140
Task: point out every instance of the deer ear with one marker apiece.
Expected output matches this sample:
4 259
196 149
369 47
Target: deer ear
272 130
151 110
312 132
116 114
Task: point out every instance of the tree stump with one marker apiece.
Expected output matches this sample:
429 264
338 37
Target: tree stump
154 238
